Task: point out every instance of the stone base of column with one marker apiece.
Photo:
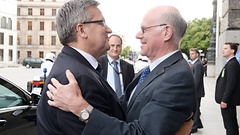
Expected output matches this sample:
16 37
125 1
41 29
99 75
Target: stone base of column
211 71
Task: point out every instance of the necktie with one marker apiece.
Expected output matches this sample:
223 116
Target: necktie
117 79
99 69
143 75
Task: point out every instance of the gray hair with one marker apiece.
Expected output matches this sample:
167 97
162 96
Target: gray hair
177 21
69 15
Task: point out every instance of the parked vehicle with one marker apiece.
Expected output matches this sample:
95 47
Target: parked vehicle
17 112
32 62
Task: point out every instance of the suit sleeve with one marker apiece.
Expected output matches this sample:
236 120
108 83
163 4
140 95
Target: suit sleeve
198 75
68 122
231 73
171 104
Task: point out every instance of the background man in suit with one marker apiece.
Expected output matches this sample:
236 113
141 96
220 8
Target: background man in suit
124 70
198 73
84 34
162 102
227 90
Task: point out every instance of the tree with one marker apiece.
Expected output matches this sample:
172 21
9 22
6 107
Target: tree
197 35
125 51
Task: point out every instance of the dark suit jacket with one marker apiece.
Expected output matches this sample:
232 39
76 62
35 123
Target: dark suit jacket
227 89
126 68
53 121
159 106
198 73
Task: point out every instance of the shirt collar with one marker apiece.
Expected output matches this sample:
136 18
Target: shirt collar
194 61
229 59
111 60
160 60
88 57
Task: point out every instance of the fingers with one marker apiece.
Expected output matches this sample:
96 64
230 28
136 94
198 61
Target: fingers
55 83
70 76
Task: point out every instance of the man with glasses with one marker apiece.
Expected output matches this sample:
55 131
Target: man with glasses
156 105
82 30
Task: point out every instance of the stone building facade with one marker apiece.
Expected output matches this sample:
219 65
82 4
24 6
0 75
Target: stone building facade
8 33
36 30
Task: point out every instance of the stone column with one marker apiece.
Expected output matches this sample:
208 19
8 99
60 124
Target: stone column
212 45
229 29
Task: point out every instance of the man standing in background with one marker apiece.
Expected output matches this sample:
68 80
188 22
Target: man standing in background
198 72
118 72
227 90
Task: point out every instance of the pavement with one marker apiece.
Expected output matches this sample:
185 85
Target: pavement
210 111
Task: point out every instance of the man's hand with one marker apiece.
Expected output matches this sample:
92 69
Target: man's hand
223 105
186 128
62 96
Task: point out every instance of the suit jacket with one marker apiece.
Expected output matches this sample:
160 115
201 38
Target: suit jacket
198 73
159 106
127 70
53 121
227 85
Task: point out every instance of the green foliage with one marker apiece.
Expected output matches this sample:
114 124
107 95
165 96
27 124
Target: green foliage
197 35
125 51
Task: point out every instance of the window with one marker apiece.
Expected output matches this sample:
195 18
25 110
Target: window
30 11
53 42
41 11
29 25
1 54
9 98
53 12
1 38
41 25
10 40
41 40
29 39
18 25
18 11
40 54
53 26
10 53
3 22
29 54
18 39
9 24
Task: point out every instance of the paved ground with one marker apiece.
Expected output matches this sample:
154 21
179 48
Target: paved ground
211 116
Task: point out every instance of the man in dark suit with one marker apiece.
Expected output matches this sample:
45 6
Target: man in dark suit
227 90
124 70
156 105
79 54
198 73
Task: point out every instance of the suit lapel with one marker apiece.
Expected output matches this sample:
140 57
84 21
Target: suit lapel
157 71
76 55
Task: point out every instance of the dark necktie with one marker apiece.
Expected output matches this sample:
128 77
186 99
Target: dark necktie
117 79
99 69
143 75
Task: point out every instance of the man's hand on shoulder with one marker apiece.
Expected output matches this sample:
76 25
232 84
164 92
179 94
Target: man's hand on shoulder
64 96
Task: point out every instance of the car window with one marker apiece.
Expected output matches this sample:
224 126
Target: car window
9 98
38 60
33 60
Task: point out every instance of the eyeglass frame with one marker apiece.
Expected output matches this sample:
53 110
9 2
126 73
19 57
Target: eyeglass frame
144 28
96 21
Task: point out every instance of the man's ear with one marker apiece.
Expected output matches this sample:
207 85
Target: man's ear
168 32
81 30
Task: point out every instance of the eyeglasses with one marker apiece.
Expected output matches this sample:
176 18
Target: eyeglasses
102 22
144 28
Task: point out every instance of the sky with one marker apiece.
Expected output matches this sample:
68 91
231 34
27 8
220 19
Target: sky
124 16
